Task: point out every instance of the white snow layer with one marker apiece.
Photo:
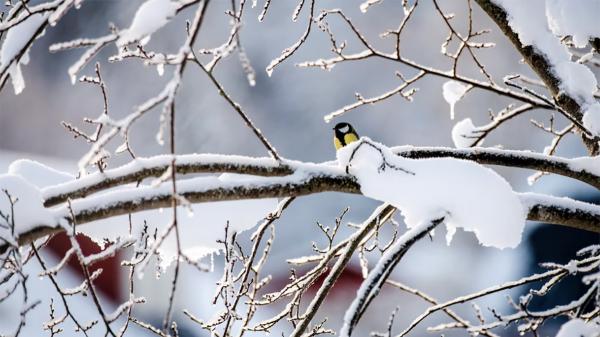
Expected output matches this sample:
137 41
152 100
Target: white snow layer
468 195
577 18
12 54
591 118
589 164
453 91
580 328
150 17
200 225
28 212
464 133
23 182
533 26
38 174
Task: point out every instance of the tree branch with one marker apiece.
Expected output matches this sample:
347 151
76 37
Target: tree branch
322 178
142 168
542 67
571 168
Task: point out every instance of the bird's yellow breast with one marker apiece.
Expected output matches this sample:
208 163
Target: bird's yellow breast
350 137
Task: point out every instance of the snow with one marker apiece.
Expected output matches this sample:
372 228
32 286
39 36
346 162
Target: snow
464 133
150 17
468 195
530 199
29 211
529 22
576 79
577 18
364 7
453 91
160 161
533 27
16 40
23 181
591 118
588 164
37 173
199 227
580 328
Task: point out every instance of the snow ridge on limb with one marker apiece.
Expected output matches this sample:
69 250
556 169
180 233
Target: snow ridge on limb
584 169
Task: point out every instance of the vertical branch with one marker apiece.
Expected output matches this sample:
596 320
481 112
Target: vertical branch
174 199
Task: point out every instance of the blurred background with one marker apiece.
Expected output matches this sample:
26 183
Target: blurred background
289 107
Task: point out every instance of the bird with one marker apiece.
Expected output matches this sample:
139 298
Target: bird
343 135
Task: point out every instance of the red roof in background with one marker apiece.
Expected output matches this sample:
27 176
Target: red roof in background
109 281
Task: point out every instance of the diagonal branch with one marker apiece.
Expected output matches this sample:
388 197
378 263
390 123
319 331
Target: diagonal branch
380 215
371 286
542 67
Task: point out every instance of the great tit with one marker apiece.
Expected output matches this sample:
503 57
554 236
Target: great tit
344 134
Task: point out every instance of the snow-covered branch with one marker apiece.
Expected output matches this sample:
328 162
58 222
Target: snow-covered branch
305 179
582 169
553 275
551 62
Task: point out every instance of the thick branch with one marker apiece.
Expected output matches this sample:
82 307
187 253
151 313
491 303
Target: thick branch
142 168
571 168
560 211
541 66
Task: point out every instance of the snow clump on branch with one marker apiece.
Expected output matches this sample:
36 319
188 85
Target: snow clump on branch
468 195
150 17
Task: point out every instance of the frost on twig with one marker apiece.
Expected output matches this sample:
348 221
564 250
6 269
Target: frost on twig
289 51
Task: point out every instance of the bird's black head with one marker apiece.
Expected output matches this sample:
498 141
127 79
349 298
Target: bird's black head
344 134
343 128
